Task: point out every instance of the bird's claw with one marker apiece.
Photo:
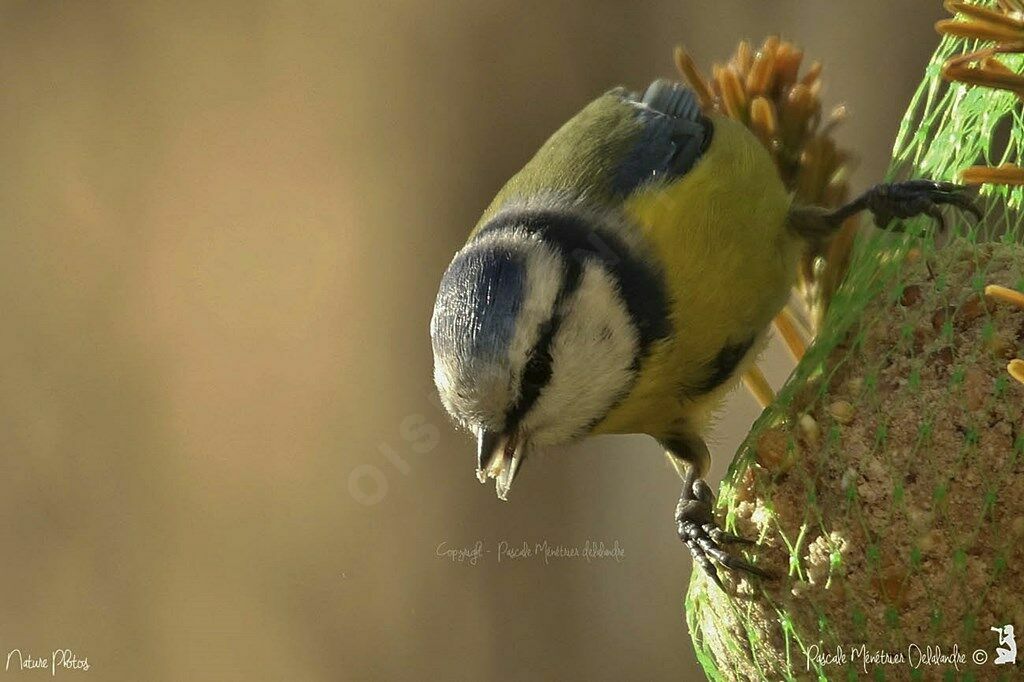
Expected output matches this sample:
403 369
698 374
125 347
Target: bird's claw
915 197
698 530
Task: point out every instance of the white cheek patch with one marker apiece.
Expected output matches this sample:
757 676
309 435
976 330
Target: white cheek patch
592 354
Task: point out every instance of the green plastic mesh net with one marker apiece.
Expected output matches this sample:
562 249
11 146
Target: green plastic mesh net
886 482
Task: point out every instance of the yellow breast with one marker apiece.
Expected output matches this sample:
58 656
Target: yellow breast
729 261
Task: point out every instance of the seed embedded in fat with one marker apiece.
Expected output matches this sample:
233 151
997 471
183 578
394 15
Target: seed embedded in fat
842 411
810 428
1016 370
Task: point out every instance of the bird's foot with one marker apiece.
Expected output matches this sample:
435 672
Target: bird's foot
696 526
912 198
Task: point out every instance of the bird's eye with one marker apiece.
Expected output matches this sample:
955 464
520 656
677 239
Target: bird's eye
538 370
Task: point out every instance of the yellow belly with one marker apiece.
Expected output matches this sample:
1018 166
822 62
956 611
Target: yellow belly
729 262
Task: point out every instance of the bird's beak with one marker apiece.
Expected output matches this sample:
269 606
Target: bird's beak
498 456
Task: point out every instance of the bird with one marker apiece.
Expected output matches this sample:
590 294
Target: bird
622 280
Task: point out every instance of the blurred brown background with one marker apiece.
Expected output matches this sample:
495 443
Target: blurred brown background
222 228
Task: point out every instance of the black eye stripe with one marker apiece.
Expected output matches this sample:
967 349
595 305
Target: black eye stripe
536 374
538 369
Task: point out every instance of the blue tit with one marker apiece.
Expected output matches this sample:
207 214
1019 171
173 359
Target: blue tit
622 280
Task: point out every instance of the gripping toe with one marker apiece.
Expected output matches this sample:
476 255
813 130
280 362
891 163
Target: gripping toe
917 197
702 536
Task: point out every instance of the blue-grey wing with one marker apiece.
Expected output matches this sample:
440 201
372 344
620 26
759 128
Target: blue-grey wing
674 135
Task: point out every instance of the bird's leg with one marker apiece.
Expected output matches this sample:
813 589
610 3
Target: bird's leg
695 520
886 202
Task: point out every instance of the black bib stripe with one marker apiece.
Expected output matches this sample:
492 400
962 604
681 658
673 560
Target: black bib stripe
724 364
